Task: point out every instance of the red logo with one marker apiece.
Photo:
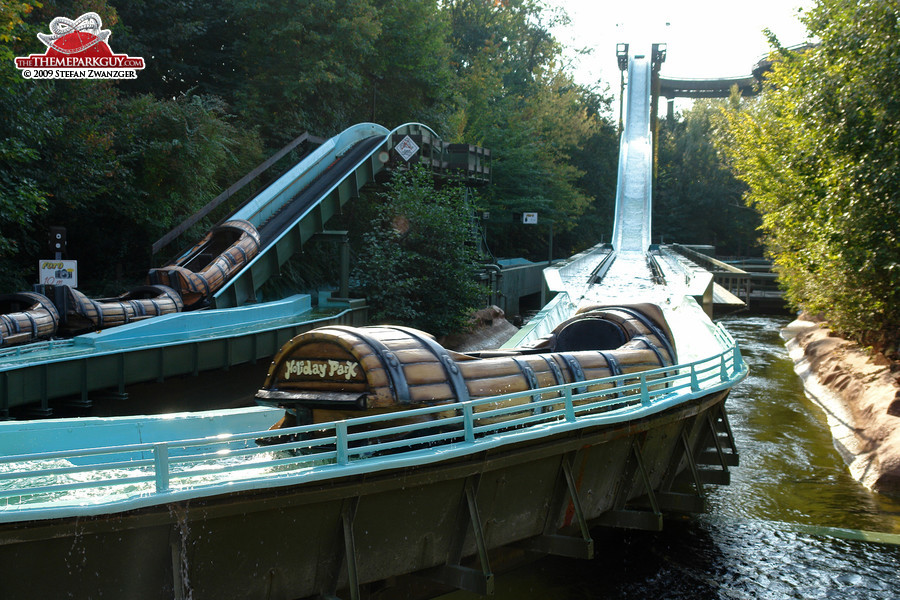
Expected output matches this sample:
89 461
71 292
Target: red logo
78 50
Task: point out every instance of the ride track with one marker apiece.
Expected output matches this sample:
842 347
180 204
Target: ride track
288 213
189 506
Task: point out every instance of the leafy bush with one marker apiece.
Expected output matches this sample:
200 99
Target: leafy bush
418 261
820 152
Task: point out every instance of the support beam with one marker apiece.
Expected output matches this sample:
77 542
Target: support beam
348 513
634 518
550 542
453 573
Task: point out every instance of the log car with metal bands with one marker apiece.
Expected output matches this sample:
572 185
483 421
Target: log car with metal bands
26 317
333 373
203 270
87 314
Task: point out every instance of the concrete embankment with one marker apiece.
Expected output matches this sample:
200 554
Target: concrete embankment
860 396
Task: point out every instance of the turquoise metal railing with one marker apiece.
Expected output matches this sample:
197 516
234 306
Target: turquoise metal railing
76 482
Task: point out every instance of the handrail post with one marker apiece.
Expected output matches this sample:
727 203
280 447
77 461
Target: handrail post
468 423
723 369
695 384
737 358
161 466
340 443
569 406
645 391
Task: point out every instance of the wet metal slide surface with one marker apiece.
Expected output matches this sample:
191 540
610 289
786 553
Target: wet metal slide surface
631 231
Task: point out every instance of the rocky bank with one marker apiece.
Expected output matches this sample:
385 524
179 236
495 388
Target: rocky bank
860 396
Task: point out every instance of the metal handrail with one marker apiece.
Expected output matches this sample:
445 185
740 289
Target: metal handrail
158 472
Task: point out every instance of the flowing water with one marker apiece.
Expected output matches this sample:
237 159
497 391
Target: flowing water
792 524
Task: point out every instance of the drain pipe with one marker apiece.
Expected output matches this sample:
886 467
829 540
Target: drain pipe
495 277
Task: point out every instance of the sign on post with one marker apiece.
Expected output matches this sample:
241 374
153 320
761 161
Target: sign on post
407 148
529 218
58 272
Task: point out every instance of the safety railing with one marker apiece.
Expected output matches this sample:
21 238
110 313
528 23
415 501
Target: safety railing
110 479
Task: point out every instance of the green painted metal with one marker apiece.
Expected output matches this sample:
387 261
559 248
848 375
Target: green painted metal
355 444
150 351
417 511
352 161
517 282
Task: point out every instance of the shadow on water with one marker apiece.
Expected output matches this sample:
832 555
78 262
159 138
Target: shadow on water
767 534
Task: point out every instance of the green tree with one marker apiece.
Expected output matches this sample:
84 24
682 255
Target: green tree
302 65
87 156
697 198
820 152
409 76
518 101
418 261
597 157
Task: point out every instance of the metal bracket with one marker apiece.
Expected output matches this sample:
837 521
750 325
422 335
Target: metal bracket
348 513
453 573
692 465
392 366
726 430
329 577
651 520
718 443
718 458
454 375
551 542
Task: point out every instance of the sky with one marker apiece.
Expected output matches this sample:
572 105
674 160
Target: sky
705 38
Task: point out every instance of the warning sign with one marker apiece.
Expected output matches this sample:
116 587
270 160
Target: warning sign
406 148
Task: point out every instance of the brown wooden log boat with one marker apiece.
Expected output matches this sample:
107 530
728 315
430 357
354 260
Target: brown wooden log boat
26 317
86 314
333 373
203 270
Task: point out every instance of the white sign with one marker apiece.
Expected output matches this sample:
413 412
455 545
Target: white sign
529 218
406 148
58 272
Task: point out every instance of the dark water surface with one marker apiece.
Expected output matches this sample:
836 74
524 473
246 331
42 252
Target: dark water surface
792 524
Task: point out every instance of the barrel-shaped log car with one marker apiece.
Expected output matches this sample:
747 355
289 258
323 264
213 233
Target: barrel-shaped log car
334 372
203 270
87 314
26 317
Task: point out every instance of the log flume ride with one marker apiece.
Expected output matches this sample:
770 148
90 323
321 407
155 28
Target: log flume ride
203 270
186 284
86 314
334 373
26 317
382 465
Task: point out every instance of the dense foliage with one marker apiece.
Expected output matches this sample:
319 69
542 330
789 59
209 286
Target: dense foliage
820 152
418 261
229 81
696 197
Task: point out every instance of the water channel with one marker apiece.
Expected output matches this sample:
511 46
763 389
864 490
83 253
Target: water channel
792 524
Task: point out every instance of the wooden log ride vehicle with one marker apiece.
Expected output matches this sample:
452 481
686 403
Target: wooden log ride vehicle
203 270
85 314
26 317
335 372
